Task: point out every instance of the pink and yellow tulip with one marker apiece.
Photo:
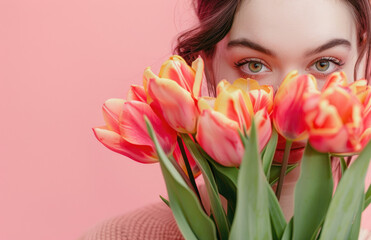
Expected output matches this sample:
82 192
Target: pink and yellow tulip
218 126
335 120
356 90
125 131
288 115
174 92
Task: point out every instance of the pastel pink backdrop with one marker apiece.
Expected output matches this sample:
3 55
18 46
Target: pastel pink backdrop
59 61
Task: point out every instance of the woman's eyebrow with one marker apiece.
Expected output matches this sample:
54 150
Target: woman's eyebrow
243 42
330 44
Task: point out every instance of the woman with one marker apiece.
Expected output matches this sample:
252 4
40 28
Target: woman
264 40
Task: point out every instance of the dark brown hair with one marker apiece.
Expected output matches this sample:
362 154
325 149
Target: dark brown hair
215 21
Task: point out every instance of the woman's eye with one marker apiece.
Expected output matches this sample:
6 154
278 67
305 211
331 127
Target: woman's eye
251 66
325 66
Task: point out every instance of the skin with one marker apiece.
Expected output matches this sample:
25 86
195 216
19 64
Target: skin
270 38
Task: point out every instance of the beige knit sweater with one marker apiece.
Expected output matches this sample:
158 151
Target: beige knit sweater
155 222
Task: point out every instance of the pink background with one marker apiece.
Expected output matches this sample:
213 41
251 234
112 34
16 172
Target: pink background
59 62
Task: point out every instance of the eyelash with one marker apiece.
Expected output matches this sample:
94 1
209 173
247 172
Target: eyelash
245 61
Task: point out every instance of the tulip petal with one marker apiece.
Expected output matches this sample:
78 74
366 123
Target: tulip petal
204 103
262 98
336 143
134 130
222 85
264 127
365 138
112 109
177 105
327 120
178 70
198 67
246 84
219 137
287 80
337 78
137 93
367 113
361 89
116 143
342 100
148 74
236 105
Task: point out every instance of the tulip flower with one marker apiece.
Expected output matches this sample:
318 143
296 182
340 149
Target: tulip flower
335 120
362 91
218 125
125 131
288 115
174 92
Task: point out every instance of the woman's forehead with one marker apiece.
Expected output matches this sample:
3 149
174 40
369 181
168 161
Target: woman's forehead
293 24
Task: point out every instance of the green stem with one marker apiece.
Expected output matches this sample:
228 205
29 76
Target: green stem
343 165
283 168
188 167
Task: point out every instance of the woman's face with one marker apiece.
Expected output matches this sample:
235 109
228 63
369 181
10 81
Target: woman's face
270 38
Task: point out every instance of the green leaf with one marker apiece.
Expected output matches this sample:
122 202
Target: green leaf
313 193
212 189
287 235
226 180
345 203
275 172
183 201
165 201
367 198
230 173
277 218
252 212
343 165
269 151
354 231
231 209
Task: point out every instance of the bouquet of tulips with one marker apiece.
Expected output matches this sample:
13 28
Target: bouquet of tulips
231 141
